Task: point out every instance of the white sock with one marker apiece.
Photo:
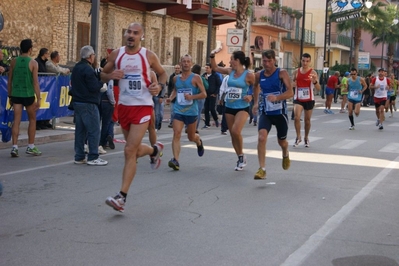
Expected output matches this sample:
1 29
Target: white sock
31 146
15 146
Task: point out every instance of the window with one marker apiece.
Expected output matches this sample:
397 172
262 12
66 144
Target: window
82 38
200 53
176 50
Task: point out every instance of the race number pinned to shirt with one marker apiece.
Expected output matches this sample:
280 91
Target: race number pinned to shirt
272 106
234 93
303 93
380 92
131 85
181 100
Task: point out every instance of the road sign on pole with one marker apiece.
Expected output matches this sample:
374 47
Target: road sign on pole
235 37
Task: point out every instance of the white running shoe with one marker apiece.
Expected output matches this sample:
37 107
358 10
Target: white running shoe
97 162
117 202
101 150
352 128
155 161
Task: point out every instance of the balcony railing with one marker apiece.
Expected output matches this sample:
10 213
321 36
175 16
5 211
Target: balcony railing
343 40
273 17
229 5
309 38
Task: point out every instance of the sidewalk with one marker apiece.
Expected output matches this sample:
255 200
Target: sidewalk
65 129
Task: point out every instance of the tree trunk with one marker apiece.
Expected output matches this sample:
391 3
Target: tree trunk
390 58
357 38
242 19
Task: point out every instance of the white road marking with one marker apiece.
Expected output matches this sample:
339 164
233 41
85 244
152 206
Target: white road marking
315 240
348 144
391 147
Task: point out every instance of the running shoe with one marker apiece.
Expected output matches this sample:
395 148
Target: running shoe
255 123
117 202
352 128
380 127
325 111
205 126
200 149
297 141
377 123
155 161
286 162
394 108
97 162
260 174
174 164
111 143
101 150
14 152
342 111
241 163
307 143
34 151
224 133
83 161
391 115
330 112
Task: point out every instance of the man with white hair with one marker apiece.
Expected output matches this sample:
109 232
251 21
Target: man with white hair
86 95
133 63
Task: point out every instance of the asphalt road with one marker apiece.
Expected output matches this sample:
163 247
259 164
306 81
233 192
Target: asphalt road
336 205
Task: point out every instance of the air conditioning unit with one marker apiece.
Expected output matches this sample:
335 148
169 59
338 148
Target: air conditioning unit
273 45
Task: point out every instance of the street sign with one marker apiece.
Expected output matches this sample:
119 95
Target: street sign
235 37
364 60
232 49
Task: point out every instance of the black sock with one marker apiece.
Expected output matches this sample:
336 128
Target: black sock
351 119
123 194
155 151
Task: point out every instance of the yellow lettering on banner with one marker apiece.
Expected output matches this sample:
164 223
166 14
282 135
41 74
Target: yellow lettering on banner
44 104
64 96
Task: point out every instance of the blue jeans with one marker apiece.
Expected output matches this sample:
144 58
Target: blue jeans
158 109
87 124
200 104
172 113
251 115
106 111
210 106
224 127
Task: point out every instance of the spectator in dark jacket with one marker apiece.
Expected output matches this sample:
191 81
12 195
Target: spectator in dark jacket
42 59
86 93
214 82
171 86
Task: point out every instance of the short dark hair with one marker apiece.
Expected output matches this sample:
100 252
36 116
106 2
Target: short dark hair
25 45
353 69
43 51
306 55
196 69
244 60
54 54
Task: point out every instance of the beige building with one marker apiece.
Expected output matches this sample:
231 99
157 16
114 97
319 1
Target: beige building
171 28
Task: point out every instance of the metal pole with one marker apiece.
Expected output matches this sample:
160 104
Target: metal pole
351 48
325 34
382 52
210 21
303 31
95 15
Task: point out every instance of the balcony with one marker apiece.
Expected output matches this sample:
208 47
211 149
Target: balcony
222 14
309 38
273 20
343 40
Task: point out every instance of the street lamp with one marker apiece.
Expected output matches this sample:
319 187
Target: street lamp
303 32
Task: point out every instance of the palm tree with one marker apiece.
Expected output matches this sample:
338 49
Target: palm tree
242 18
386 31
362 23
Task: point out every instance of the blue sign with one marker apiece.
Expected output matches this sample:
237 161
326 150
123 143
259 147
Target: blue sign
53 93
